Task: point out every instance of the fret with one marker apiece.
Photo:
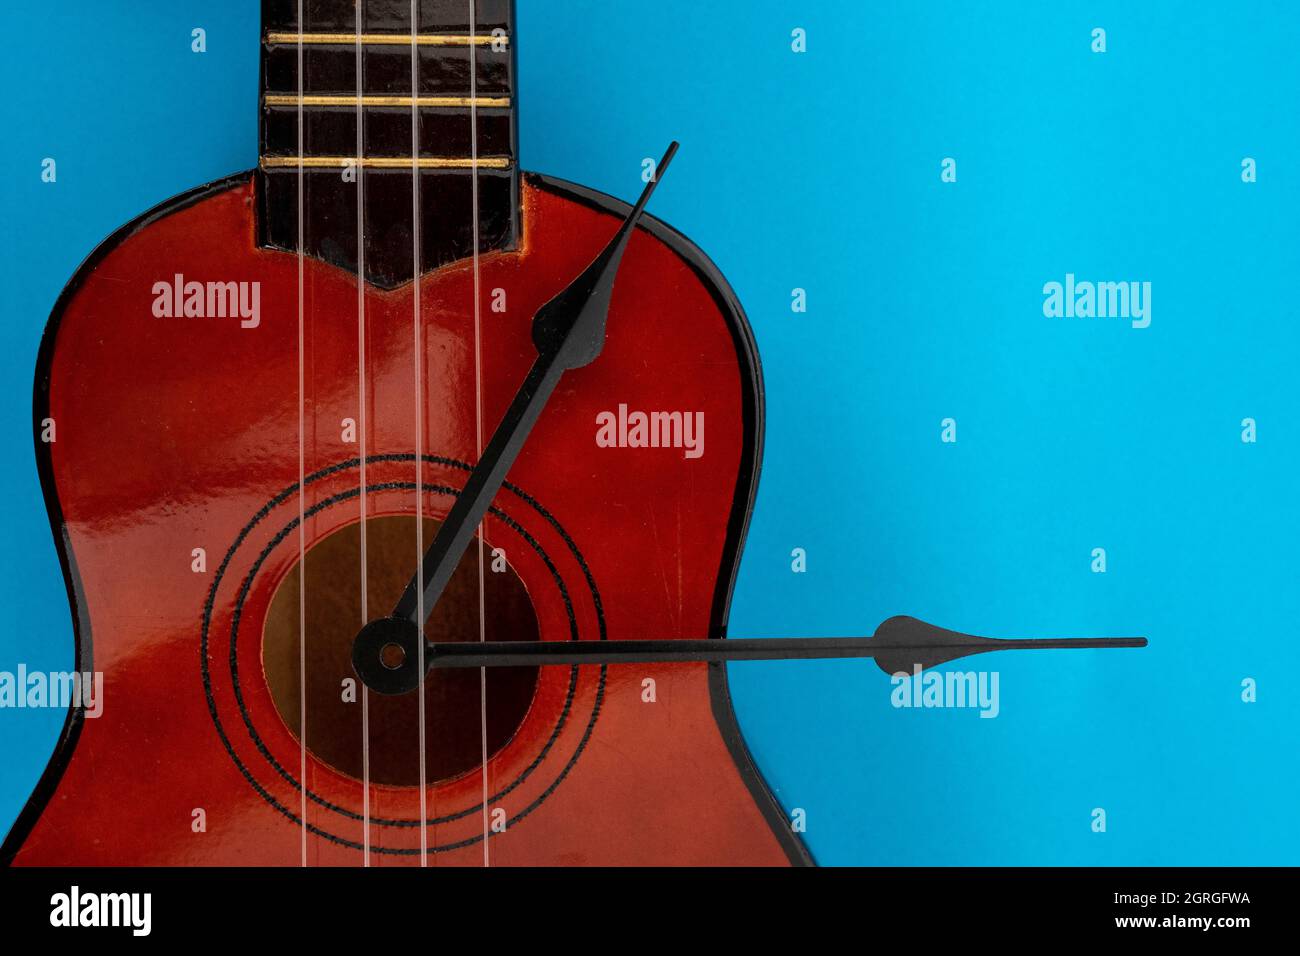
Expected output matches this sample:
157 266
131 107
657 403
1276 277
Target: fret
478 102
444 71
386 162
386 39
386 16
332 131
466 137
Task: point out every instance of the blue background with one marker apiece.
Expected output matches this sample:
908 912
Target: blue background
821 171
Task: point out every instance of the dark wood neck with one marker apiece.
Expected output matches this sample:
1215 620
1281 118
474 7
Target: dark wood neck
327 121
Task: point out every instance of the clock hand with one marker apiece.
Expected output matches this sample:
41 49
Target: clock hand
569 332
892 656
900 644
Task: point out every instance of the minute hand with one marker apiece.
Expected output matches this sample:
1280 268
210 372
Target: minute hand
569 332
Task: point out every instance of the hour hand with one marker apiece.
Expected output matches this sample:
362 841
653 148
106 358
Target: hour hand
572 325
569 332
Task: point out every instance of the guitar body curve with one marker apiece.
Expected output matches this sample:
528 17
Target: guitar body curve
200 461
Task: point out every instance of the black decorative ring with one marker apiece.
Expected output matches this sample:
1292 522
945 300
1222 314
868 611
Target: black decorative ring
209 605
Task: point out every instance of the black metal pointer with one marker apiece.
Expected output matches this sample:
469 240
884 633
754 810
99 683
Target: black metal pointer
900 645
569 332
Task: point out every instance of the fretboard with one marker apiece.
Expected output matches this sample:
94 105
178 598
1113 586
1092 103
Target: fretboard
463 71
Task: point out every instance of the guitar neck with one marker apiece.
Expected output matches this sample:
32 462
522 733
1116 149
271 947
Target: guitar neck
351 126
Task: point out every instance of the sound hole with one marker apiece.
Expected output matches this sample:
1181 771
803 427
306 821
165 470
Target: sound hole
453 741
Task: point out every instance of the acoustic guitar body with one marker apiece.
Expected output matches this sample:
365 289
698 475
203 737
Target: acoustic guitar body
221 487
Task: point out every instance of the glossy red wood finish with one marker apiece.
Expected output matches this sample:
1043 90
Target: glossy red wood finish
175 433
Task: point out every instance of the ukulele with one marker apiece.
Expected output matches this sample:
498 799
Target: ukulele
399 496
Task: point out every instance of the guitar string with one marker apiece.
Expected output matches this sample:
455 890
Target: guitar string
478 400
419 420
361 428
302 478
